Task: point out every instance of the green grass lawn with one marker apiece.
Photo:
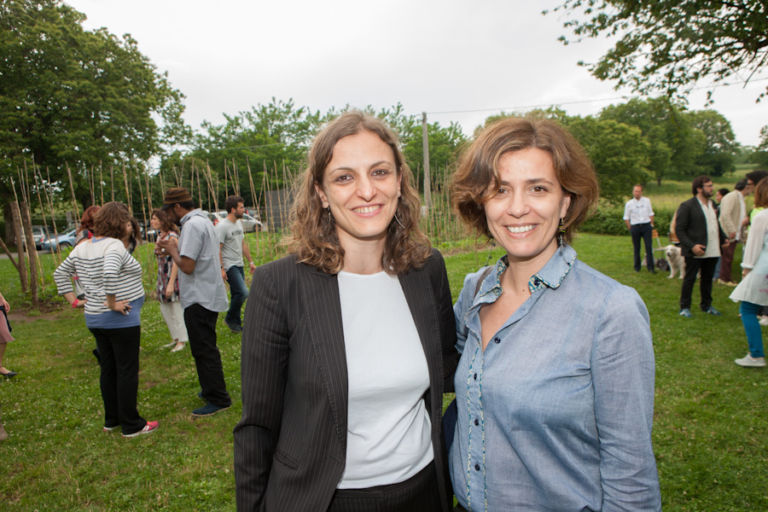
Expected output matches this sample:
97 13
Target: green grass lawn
710 431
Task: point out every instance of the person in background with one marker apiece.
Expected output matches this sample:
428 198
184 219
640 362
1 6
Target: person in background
167 282
700 241
555 384
348 343
5 336
721 192
85 229
733 221
203 295
638 216
114 295
233 247
752 291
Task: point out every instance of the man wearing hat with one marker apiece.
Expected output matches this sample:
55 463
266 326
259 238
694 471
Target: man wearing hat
202 293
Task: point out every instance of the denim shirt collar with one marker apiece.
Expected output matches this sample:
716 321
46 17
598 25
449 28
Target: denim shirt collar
550 276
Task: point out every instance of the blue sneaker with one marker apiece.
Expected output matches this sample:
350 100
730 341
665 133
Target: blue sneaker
712 311
686 312
208 409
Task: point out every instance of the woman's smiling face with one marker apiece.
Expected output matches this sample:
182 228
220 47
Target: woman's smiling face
361 185
524 213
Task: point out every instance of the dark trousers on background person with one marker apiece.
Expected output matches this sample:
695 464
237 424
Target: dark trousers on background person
119 361
644 231
726 261
201 327
692 267
236 280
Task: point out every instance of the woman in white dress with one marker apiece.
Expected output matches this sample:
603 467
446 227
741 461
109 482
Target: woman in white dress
753 288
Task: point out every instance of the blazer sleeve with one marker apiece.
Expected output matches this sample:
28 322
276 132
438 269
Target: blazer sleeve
447 322
683 219
263 374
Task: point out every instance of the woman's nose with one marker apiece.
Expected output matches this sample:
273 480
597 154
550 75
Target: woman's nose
518 204
365 188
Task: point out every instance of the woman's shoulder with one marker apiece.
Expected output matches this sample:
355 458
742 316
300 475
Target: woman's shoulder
592 286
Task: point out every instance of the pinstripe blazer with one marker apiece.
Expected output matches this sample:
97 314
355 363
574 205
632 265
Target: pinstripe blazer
290 444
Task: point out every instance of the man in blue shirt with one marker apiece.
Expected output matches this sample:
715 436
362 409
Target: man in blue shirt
202 293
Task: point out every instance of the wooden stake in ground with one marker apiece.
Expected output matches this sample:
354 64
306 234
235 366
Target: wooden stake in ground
17 234
75 209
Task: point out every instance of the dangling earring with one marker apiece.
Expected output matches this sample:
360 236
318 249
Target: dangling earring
330 217
561 233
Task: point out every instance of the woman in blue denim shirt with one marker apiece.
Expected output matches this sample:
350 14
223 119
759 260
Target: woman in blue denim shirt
555 384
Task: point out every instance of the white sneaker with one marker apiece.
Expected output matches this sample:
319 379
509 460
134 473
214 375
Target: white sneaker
763 320
750 362
179 346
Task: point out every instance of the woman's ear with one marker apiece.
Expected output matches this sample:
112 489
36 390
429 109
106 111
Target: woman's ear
322 196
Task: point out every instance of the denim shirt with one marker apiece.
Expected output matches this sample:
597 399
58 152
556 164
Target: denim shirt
556 413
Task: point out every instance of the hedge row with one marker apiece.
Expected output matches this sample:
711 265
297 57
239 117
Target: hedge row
609 221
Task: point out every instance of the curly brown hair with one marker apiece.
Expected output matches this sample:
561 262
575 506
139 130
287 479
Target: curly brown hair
313 232
477 175
166 224
111 220
761 193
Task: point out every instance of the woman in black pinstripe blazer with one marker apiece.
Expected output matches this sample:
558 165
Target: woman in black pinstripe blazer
348 343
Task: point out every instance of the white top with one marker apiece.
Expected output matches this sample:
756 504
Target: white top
388 427
713 231
638 211
754 287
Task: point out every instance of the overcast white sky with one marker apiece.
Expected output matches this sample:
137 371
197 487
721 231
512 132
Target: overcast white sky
456 60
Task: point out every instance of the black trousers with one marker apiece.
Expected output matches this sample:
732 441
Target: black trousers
201 327
418 494
119 361
644 231
692 267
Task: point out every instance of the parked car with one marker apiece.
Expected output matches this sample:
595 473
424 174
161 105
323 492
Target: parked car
63 241
250 224
39 234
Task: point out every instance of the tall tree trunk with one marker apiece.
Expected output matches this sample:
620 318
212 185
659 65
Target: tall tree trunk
17 235
26 219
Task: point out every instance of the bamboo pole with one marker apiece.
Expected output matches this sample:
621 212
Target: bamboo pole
75 209
127 191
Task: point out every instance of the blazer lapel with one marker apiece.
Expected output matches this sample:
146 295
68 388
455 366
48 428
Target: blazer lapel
420 297
321 295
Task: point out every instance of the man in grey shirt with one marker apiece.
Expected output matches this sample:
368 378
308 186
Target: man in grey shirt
233 248
202 293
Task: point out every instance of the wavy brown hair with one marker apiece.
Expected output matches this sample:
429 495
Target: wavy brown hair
313 232
111 220
166 224
761 193
86 221
477 175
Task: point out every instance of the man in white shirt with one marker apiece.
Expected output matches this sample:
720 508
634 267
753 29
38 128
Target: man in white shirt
733 220
232 247
700 241
638 216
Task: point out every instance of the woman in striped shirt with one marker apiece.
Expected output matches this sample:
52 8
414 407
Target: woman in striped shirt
114 294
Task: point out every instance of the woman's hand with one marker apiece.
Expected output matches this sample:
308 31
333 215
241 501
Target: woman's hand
169 290
121 306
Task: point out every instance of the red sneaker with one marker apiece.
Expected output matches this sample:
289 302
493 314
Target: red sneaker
151 426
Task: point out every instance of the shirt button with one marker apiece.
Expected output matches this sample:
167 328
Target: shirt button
475 376
477 467
536 282
477 422
497 340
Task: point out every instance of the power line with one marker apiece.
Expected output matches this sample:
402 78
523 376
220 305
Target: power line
576 102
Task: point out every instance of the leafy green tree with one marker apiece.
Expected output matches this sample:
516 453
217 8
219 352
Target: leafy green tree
76 98
720 146
673 144
668 46
618 151
445 142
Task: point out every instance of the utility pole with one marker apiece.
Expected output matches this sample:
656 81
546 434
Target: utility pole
425 150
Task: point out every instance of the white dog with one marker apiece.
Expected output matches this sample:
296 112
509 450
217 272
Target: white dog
675 260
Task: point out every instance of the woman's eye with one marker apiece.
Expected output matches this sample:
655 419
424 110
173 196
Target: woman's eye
380 172
342 178
539 188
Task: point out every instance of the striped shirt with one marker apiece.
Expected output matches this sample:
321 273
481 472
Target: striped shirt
103 266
